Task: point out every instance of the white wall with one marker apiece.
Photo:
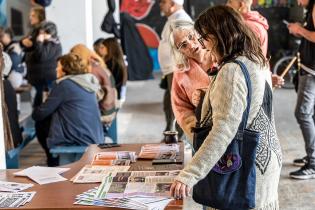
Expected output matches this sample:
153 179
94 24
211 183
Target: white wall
24 7
78 21
100 9
69 16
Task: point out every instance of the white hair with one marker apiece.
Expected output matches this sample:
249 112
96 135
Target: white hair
179 2
175 26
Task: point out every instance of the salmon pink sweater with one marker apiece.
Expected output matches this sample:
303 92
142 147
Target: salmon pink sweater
185 83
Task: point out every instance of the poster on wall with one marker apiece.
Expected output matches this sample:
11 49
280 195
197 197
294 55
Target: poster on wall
3 16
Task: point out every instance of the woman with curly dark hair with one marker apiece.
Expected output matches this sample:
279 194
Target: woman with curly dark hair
232 92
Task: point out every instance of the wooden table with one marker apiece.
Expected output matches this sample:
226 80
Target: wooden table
61 195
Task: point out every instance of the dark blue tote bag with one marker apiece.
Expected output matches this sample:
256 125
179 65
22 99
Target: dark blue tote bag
231 183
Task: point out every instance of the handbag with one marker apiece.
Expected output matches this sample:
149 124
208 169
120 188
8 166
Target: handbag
163 83
231 183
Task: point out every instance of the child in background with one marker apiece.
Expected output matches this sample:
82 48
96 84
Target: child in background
110 50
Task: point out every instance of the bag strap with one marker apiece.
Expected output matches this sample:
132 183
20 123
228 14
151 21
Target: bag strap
243 124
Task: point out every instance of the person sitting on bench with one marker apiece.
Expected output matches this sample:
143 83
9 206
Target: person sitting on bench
73 108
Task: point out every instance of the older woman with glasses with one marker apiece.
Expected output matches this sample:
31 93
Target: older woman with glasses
228 41
190 76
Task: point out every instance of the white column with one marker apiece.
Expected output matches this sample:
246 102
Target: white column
78 21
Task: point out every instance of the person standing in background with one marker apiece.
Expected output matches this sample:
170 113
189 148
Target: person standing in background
259 25
115 63
304 111
173 10
42 60
36 17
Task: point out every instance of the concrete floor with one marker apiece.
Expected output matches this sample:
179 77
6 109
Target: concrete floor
141 120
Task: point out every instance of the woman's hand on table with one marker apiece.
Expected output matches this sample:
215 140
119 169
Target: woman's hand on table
179 190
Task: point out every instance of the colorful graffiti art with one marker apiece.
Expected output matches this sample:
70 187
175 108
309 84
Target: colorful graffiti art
138 9
151 38
3 17
141 11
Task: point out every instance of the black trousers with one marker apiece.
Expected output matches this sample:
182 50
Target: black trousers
42 131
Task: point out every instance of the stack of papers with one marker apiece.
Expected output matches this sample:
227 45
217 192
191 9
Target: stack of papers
159 151
43 175
132 190
130 183
114 158
15 200
94 174
133 202
13 186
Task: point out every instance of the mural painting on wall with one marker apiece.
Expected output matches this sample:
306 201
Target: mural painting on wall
149 23
3 17
139 10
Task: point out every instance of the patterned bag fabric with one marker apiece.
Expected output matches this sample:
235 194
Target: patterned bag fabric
230 185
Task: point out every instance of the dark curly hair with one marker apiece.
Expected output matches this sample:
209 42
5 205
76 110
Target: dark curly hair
72 64
233 37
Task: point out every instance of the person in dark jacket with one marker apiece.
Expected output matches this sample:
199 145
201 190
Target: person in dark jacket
73 108
36 17
304 110
42 60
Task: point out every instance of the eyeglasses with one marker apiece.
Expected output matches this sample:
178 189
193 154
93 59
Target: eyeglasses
184 44
191 37
200 40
